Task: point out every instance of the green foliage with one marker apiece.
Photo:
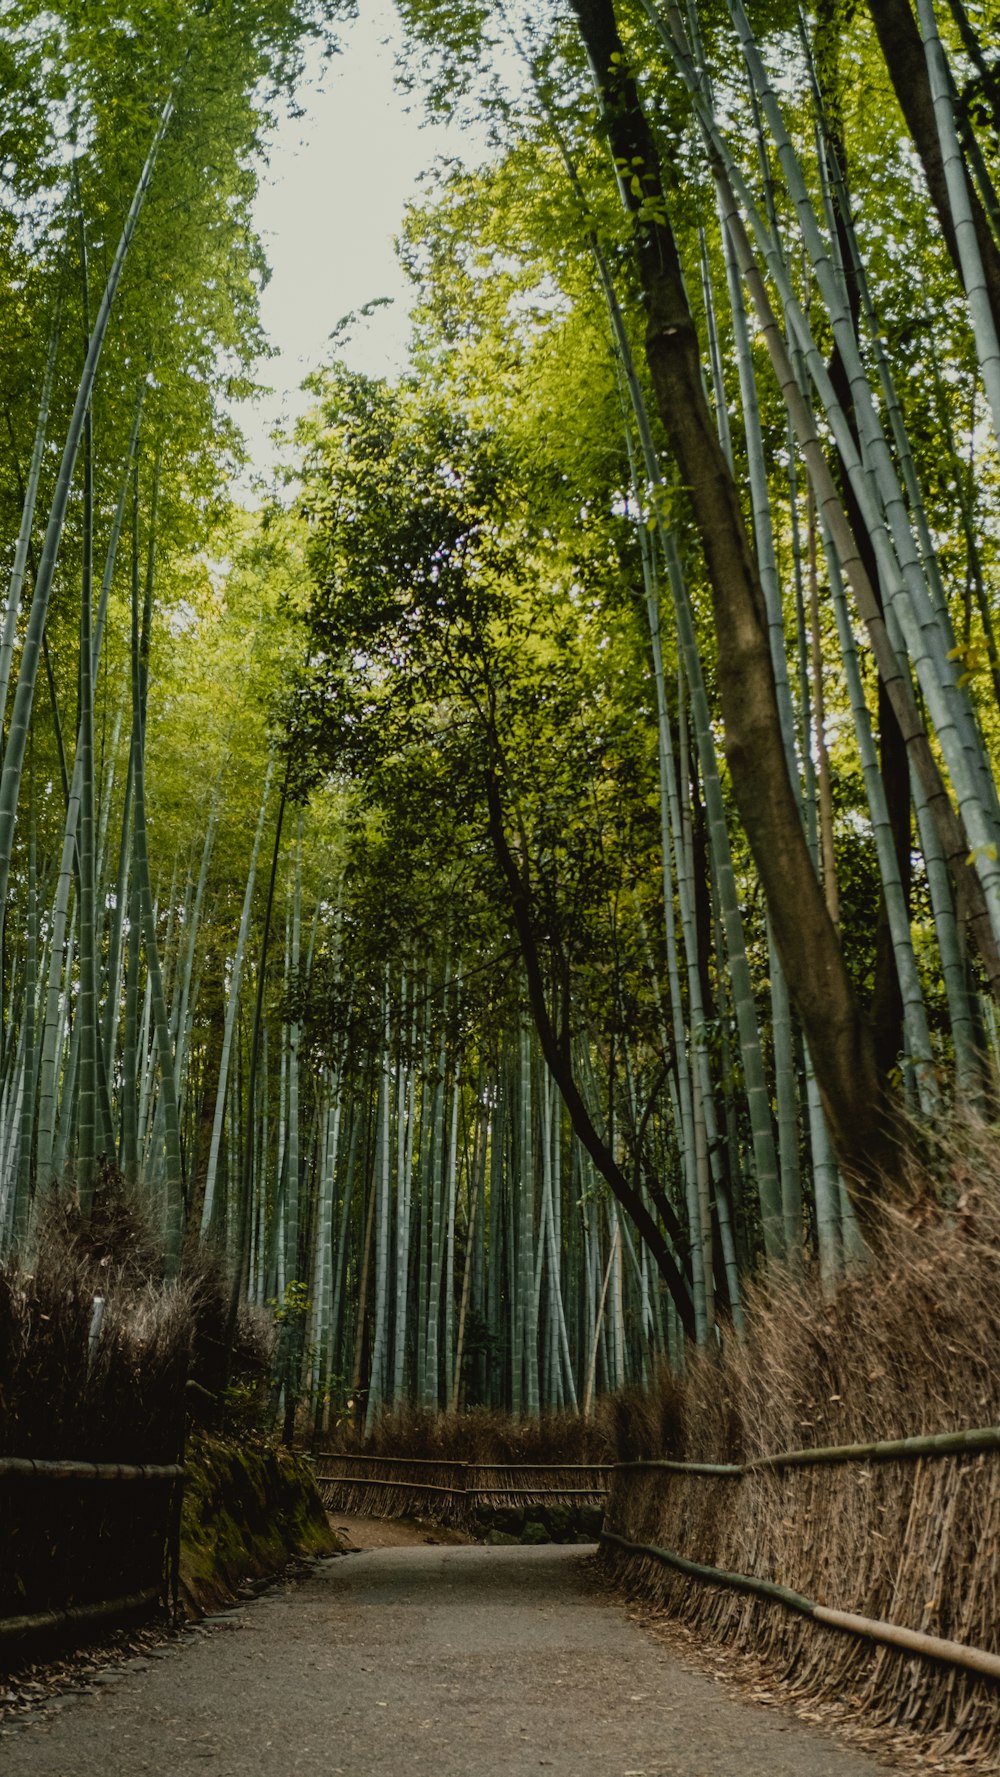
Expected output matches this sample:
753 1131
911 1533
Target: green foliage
291 1308
447 642
453 634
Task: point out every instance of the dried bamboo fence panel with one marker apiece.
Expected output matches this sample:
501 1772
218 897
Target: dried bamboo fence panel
900 1534
908 1543
391 1487
495 1485
452 1493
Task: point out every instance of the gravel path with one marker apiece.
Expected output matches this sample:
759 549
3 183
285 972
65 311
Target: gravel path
423 1662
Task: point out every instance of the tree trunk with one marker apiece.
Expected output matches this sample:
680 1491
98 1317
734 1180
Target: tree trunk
560 1066
839 1038
903 52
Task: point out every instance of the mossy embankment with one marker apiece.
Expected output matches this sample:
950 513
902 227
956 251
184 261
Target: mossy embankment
247 1511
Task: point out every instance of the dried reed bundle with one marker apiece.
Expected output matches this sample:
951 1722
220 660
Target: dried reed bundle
906 1347
485 1435
83 1387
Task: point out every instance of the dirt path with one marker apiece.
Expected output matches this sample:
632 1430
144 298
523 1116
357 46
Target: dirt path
359 1532
423 1662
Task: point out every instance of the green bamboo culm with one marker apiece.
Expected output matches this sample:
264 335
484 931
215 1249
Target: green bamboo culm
174 1196
22 548
13 764
86 1116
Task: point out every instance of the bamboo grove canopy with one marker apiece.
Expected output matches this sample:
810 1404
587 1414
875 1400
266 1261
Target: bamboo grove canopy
517 884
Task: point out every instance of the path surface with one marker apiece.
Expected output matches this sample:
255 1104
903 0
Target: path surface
424 1662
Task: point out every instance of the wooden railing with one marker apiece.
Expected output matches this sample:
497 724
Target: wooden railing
75 1532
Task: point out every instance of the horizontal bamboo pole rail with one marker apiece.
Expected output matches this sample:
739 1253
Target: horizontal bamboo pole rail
405 1461
523 1468
540 1468
946 1443
953 1653
536 1494
728 1470
34 1468
738 1582
377 1481
13 1628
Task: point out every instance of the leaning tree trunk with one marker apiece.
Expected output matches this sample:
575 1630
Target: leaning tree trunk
554 1046
838 1036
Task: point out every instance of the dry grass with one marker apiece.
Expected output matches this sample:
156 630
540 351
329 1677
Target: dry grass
907 1346
484 1435
125 1399
121 1399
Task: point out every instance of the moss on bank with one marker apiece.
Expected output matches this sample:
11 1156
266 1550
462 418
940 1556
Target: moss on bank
247 1512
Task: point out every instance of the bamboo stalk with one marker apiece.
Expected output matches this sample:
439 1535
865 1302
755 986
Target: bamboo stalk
588 1393
973 276
23 546
946 1443
35 1468
898 565
13 1627
10 781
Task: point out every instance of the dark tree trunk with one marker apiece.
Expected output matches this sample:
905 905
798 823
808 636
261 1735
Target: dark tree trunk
970 901
556 1050
839 1036
903 52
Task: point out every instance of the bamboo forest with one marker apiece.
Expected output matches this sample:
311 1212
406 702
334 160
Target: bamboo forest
525 881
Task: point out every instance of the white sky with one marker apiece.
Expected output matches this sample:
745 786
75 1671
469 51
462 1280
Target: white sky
331 199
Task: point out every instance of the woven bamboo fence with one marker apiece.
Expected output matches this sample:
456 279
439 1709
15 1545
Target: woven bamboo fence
876 1541
893 1544
454 1493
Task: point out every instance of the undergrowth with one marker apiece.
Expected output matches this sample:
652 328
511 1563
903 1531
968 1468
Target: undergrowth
96 1347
